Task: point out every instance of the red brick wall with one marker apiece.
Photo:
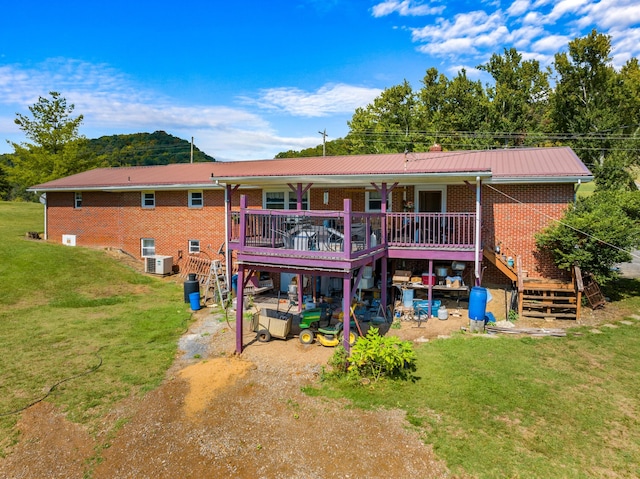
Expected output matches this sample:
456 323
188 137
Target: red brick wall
118 220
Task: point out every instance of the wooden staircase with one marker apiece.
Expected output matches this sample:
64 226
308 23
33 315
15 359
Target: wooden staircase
540 298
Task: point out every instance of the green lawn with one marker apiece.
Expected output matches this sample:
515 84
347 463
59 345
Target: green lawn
523 408
70 312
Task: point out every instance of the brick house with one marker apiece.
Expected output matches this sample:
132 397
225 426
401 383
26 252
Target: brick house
424 210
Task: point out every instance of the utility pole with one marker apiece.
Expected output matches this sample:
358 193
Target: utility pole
324 141
191 149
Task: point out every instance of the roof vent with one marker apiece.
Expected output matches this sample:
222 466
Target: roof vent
435 147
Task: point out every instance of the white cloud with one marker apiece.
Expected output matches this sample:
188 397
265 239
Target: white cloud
539 57
614 14
565 7
538 27
551 43
523 37
471 72
518 8
467 34
329 99
451 47
625 45
405 8
465 25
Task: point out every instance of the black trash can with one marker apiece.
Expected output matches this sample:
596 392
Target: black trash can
191 286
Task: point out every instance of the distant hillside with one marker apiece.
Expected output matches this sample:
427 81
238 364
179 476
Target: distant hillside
139 149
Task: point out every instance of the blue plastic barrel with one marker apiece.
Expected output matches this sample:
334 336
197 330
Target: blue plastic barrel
407 298
194 299
477 303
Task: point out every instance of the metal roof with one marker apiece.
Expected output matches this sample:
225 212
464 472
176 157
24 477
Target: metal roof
558 164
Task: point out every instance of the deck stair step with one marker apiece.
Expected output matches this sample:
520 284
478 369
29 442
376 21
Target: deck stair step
550 316
549 304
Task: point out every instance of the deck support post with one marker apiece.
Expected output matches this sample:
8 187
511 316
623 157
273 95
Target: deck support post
239 309
429 289
346 308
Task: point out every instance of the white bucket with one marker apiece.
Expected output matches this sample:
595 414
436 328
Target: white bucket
443 313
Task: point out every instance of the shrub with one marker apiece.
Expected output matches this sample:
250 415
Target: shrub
375 356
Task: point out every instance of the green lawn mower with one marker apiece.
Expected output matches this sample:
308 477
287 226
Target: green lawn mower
311 327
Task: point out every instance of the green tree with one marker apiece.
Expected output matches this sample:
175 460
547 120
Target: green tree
585 101
5 187
387 125
431 109
465 111
597 234
54 151
518 97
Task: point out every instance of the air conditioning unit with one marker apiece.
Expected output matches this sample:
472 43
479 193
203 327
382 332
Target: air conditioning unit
157 264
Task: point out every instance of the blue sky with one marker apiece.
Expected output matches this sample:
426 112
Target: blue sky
248 79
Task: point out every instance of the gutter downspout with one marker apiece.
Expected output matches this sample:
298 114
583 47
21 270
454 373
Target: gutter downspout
43 200
227 221
478 222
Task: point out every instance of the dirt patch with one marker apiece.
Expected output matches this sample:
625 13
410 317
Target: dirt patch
207 378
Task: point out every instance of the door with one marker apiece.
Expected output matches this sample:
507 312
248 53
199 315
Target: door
430 201
429 229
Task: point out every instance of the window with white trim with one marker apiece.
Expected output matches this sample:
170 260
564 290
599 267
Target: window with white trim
148 199
194 246
373 201
196 199
77 199
284 200
147 247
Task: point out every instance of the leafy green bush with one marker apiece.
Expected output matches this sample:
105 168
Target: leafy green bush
375 356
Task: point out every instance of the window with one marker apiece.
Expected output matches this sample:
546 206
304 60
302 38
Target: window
274 200
148 247
194 246
281 200
196 199
148 199
77 202
373 201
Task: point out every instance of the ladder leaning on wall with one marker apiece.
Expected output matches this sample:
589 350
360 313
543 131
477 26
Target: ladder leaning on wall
216 288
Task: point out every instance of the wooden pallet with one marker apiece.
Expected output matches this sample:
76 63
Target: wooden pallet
550 299
592 292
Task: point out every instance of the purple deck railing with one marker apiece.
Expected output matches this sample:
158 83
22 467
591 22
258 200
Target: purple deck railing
312 234
431 230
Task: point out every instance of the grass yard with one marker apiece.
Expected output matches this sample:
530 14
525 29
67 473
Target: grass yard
527 408
74 313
